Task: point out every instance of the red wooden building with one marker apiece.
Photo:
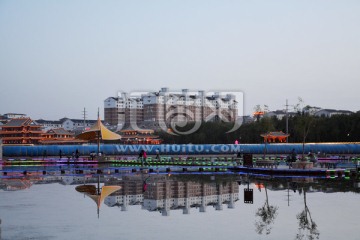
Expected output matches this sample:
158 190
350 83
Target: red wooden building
21 131
140 136
273 137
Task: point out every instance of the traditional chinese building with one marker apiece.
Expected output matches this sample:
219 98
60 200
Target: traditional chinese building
60 136
273 137
58 133
21 131
140 136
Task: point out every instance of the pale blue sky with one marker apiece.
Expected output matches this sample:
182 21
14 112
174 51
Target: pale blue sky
57 57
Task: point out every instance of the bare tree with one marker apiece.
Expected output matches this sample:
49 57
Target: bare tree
304 123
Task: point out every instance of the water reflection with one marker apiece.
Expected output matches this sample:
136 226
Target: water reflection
280 208
15 184
307 226
267 214
96 193
165 193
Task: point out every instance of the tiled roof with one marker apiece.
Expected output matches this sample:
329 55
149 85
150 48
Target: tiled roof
279 112
334 111
328 110
22 114
42 121
140 129
115 98
17 122
275 134
59 131
82 120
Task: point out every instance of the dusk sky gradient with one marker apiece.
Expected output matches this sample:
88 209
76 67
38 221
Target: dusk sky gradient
57 57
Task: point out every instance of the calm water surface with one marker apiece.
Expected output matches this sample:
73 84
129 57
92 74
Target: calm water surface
179 206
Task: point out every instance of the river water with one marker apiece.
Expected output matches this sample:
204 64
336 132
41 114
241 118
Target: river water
178 206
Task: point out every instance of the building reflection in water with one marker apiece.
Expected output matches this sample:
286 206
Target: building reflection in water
186 193
164 193
15 184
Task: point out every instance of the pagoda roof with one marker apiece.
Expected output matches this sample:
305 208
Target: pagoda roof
62 141
130 129
123 137
18 122
275 134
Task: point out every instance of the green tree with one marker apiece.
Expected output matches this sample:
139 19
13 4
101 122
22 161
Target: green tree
302 128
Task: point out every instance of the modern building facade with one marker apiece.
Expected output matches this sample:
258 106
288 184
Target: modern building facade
14 115
312 111
69 124
76 125
161 109
123 110
331 112
49 124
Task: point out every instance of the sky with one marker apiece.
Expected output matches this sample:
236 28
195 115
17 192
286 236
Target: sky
57 57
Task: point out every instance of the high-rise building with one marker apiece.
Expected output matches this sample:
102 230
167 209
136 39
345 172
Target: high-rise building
163 108
123 110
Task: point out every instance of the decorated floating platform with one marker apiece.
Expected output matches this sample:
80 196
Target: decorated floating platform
183 157
169 164
286 171
322 173
179 149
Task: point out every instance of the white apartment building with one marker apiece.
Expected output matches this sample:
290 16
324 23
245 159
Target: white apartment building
331 112
312 111
49 124
155 108
76 124
14 115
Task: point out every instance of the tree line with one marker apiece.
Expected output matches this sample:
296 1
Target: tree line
301 127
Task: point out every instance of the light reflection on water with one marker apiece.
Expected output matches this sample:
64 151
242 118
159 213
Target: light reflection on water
179 206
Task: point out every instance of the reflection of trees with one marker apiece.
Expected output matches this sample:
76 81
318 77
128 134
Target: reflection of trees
307 227
267 215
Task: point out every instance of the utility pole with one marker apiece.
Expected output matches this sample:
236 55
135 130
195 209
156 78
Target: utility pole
84 115
1 151
287 119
